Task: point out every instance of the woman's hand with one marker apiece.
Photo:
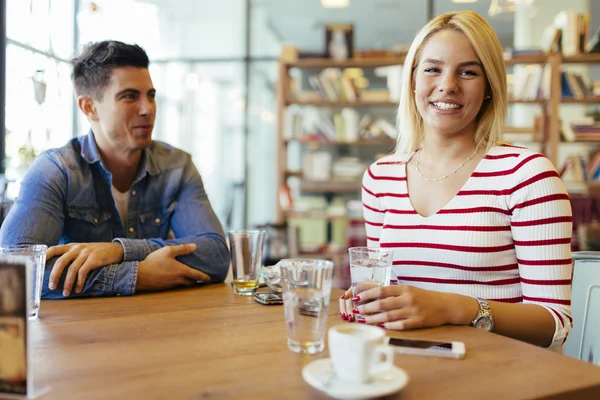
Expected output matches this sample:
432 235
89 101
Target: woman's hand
402 307
346 306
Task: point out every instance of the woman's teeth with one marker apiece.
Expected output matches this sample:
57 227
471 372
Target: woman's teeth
446 106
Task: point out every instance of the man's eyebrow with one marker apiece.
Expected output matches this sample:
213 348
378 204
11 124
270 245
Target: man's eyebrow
127 91
462 64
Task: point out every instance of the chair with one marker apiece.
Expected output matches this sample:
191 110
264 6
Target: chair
584 341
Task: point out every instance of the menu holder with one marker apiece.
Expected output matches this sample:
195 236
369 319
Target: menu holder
16 353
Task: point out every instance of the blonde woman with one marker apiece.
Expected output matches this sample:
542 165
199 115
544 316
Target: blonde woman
481 231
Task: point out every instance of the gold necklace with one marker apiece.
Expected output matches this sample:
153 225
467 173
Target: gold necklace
445 176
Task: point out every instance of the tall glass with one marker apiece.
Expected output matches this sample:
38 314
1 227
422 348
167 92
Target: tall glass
369 267
306 288
246 248
36 254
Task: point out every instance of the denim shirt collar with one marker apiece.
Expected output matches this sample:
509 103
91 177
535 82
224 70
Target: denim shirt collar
91 154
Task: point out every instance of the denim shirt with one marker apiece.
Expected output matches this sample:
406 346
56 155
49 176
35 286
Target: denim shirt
66 197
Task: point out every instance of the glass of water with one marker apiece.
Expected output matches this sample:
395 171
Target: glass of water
369 267
306 288
36 255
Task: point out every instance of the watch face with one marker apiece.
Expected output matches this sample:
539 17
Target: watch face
484 323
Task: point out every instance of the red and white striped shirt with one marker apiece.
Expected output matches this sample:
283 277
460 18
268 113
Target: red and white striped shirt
505 236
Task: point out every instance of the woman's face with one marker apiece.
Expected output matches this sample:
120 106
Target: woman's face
449 84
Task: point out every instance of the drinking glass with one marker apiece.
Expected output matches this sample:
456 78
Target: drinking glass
246 256
306 288
369 267
36 254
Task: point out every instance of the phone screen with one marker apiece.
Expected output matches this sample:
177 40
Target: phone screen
421 344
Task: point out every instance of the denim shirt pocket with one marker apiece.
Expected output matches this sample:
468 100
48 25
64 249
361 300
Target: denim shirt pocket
88 223
155 223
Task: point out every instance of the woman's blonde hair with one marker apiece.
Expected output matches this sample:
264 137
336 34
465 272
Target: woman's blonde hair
490 119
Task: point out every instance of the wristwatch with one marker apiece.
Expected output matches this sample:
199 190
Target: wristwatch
484 319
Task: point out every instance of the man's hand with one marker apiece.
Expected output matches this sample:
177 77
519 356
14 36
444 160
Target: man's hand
160 270
80 259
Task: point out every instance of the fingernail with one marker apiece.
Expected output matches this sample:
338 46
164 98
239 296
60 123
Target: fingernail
350 318
52 285
341 298
381 325
65 293
356 298
344 317
355 311
361 321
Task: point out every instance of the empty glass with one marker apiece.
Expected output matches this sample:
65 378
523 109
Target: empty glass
36 254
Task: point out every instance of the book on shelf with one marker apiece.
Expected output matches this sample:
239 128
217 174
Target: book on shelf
574 169
332 85
585 130
593 168
574 31
593 44
572 85
531 82
316 165
551 36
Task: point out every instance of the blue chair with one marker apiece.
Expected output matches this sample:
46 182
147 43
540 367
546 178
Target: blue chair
584 341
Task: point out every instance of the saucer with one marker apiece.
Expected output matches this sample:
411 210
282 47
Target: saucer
317 374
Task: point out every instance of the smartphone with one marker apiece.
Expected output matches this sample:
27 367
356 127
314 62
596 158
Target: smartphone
428 348
268 298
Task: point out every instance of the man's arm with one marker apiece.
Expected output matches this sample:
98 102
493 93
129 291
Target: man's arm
193 221
38 216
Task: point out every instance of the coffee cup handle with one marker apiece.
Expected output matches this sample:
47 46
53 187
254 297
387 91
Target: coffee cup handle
383 359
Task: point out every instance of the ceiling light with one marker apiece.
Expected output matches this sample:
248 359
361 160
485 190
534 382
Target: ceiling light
335 3
464 1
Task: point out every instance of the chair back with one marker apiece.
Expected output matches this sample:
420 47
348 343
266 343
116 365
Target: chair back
584 340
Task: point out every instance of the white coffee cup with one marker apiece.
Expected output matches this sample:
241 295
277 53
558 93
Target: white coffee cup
359 351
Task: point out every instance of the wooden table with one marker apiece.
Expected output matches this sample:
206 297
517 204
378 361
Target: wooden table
207 343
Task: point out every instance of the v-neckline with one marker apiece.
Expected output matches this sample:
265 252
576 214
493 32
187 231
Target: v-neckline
449 201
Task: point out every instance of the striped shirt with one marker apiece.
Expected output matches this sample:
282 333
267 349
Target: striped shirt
505 236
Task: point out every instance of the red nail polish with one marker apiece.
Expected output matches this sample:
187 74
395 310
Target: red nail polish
344 317
350 318
381 325
356 298
361 321
355 311
341 298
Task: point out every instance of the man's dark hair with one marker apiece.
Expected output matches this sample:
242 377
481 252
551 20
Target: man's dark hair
92 68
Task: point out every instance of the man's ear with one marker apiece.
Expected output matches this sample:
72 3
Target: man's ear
87 106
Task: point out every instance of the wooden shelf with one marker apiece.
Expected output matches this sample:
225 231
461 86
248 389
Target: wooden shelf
519 129
360 142
593 100
331 187
584 58
527 101
332 103
295 174
527 59
350 63
320 215
583 188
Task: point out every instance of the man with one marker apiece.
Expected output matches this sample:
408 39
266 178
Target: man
108 201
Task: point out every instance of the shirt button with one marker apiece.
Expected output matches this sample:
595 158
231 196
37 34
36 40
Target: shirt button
157 220
131 230
133 192
95 220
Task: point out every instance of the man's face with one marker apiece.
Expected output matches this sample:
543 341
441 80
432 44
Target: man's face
125 115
